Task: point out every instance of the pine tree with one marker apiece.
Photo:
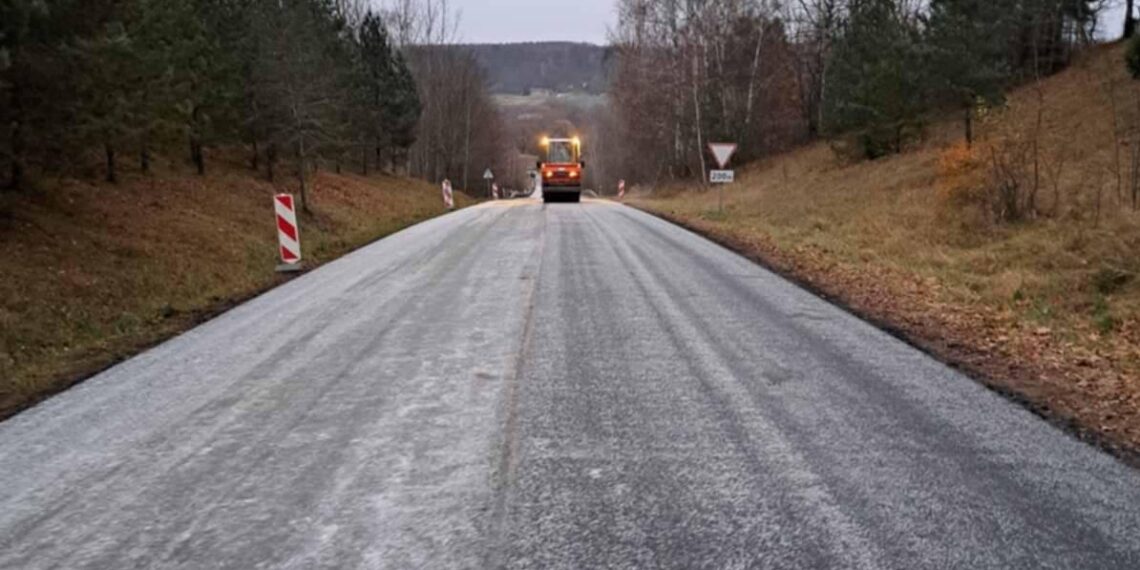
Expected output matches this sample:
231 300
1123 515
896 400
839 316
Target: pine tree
107 69
402 108
17 25
297 83
966 55
166 38
1129 19
875 80
377 65
392 105
40 98
206 79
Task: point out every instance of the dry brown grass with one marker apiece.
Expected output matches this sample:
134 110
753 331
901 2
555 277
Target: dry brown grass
1048 308
94 272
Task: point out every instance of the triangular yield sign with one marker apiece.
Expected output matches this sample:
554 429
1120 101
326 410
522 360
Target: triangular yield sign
722 152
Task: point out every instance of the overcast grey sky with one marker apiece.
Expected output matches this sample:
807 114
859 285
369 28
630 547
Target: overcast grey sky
509 21
1112 22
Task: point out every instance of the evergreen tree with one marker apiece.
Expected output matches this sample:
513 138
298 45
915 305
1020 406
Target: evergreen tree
875 80
393 105
966 55
207 56
1129 18
379 72
39 83
168 40
295 75
402 108
1042 32
108 71
17 24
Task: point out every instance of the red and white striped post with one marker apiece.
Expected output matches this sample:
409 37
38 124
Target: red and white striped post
448 198
288 232
621 189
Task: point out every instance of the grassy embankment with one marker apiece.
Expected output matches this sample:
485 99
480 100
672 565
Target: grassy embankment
1046 309
93 272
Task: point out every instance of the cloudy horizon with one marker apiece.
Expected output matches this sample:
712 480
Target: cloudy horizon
519 21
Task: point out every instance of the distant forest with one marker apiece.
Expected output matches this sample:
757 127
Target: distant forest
557 66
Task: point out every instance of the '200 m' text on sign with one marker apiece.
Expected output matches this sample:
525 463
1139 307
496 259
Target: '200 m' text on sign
722 176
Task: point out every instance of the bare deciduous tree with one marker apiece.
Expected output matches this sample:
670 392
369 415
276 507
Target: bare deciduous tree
689 73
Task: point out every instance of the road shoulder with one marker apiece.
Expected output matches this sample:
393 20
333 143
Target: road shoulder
1024 368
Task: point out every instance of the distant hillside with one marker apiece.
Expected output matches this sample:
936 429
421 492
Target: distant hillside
557 66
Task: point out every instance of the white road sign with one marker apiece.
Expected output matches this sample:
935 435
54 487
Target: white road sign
722 152
488 175
722 176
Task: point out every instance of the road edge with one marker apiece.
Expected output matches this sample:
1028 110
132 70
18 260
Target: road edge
1123 452
201 316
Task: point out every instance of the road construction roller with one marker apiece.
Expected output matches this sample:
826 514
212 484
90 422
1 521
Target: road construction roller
562 170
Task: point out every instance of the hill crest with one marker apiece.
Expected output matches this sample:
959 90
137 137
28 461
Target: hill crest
560 67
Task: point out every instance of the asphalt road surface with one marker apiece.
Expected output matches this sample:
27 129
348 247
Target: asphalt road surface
568 386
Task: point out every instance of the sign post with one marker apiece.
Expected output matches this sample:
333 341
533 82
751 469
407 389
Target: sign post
288 233
722 152
535 183
488 176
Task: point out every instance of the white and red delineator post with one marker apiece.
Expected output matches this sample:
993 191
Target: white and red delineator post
288 232
448 197
621 189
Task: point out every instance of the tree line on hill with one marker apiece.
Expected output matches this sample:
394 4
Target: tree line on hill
461 132
302 82
770 75
555 66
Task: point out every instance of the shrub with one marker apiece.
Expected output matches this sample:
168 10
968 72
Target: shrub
957 160
960 184
1011 184
1103 319
876 141
1109 280
995 181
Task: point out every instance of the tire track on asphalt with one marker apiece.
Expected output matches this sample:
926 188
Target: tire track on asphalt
845 540
503 477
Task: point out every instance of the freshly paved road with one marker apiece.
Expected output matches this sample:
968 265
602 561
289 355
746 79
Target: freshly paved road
570 386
